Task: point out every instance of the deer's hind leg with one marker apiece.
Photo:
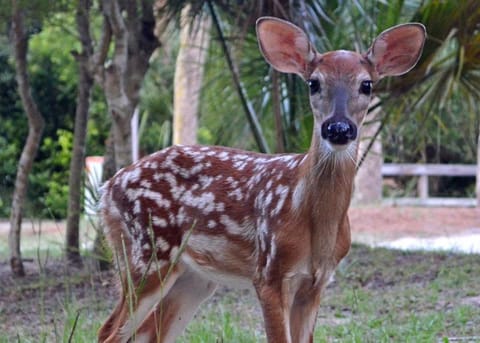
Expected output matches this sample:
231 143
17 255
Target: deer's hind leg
140 296
177 308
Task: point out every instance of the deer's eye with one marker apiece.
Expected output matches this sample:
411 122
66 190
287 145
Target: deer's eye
314 85
366 87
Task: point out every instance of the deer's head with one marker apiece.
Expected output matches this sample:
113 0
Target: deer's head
340 82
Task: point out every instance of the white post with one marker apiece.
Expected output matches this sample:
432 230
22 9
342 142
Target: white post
135 138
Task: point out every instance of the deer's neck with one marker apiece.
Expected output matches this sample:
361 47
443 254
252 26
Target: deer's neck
329 175
325 188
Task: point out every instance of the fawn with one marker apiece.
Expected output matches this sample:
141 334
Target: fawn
187 218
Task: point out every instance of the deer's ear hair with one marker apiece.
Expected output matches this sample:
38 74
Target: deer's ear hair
285 46
397 50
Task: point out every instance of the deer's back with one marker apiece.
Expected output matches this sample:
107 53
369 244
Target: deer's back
213 203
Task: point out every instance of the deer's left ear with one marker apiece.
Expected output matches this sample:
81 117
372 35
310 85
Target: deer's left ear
397 50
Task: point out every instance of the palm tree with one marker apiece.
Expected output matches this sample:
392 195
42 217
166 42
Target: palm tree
447 72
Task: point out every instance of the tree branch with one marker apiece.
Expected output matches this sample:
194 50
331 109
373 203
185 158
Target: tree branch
247 106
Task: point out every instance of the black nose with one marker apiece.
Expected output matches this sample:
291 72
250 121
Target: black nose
339 131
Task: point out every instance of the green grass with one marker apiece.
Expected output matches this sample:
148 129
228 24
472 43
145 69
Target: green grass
218 326
378 296
390 296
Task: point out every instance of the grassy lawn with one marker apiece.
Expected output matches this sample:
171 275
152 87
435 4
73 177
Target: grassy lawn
378 295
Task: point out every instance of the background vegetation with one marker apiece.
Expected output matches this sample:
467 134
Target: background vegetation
435 121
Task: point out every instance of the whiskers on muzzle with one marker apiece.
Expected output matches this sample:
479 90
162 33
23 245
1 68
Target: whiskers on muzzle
333 158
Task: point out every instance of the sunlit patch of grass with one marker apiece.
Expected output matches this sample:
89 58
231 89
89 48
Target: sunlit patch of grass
219 325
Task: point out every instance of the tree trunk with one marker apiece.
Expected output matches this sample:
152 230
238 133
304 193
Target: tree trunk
77 164
132 31
189 67
35 128
369 181
478 172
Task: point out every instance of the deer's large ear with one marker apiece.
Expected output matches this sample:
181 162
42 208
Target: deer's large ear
285 46
397 50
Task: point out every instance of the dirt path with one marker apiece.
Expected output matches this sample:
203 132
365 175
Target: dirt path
384 222
374 224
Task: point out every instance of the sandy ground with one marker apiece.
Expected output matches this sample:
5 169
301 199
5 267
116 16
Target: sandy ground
379 224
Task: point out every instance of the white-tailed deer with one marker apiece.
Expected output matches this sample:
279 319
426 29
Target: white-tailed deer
187 218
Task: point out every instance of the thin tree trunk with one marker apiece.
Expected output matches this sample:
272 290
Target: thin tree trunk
35 128
77 162
189 67
478 172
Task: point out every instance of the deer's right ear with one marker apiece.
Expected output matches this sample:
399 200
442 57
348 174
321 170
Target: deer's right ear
285 46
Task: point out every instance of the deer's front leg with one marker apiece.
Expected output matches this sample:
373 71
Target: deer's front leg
303 313
275 304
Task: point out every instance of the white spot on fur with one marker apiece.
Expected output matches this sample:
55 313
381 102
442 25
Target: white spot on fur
223 156
292 164
136 207
171 219
282 192
279 176
240 165
263 229
181 216
211 224
159 222
304 159
205 181
162 244
269 184
146 184
237 194
298 193
270 256
220 207
231 225
135 194
268 200
130 176
205 201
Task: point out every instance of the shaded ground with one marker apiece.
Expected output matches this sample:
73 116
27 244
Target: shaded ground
39 302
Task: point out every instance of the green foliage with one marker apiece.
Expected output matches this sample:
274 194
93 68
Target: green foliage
432 115
156 102
53 76
50 176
